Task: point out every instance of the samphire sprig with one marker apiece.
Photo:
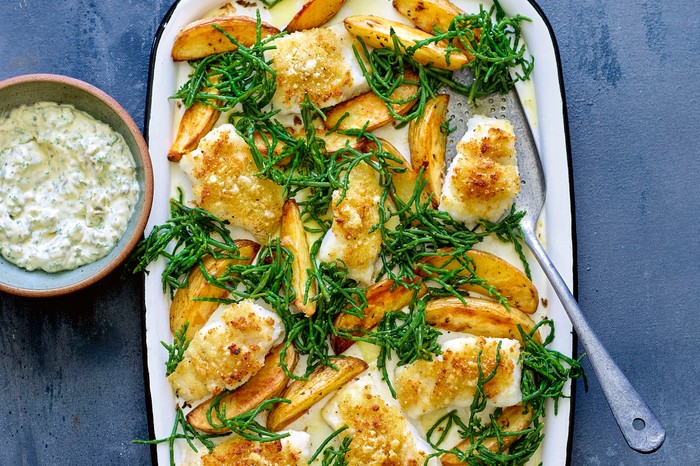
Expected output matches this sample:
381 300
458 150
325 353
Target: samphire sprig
490 36
332 456
268 278
244 425
423 232
500 58
337 293
176 350
386 71
183 430
408 335
187 236
477 453
546 371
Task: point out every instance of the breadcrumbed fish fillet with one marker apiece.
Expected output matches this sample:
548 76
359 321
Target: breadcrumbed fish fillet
319 62
227 351
289 451
225 183
449 380
349 240
381 435
482 180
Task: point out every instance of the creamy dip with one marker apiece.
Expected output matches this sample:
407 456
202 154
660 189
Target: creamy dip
68 187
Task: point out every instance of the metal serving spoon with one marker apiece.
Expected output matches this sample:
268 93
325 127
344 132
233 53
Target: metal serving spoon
640 427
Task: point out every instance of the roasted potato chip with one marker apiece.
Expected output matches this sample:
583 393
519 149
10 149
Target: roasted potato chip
483 317
200 38
368 109
405 182
185 310
507 279
428 142
428 15
196 122
376 32
314 13
293 238
268 383
512 419
303 394
381 298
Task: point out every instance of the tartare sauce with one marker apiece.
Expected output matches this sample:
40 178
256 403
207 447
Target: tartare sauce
68 187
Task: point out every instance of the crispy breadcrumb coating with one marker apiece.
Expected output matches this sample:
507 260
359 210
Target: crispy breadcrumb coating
450 379
225 183
349 238
289 451
381 435
482 180
318 62
227 351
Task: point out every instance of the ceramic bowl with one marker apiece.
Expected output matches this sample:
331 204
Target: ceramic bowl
29 89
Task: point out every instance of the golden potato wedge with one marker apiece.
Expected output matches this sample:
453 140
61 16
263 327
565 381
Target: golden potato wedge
512 419
507 279
376 32
199 39
483 317
314 13
371 110
185 310
196 122
303 394
334 141
268 383
428 143
428 15
404 183
380 300
293 238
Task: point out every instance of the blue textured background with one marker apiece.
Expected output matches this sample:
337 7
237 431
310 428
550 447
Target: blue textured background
71 369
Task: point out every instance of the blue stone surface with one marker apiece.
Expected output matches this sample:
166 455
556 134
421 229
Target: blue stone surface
72 369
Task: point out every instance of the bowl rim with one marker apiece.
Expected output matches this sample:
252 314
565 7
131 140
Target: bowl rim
144 154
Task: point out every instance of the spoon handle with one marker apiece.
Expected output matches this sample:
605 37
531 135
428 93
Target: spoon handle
640 427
